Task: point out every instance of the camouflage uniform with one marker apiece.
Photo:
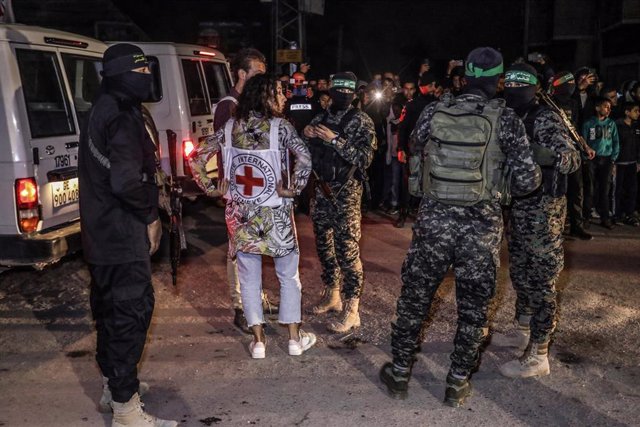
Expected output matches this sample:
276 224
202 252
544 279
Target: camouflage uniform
536 255
467 237
337 229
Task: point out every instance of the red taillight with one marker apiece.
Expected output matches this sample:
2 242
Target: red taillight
27 204
187 148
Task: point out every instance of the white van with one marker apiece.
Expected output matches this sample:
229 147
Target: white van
188 81
48 79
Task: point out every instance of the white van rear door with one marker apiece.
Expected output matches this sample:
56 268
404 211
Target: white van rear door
200 118
53 133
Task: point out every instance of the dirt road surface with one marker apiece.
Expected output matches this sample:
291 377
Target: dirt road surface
201 373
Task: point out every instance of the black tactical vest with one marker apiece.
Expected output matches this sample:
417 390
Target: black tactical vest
326 161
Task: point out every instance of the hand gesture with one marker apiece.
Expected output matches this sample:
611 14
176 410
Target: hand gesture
325 134
284 192
154 232
310 131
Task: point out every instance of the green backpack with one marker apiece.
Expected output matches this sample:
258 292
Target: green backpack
462 163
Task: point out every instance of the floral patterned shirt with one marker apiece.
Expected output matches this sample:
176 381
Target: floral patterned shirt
261 230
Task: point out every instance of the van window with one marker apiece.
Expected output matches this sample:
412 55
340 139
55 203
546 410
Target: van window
217 80
43 87
83 74
156 85
198 103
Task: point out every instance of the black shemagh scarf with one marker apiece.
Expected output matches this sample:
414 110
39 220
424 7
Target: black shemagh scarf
340 100
135 86
520 98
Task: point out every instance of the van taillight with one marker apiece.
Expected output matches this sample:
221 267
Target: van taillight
187 148
27 203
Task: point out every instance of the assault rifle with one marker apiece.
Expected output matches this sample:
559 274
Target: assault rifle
579 141
326 190
177 239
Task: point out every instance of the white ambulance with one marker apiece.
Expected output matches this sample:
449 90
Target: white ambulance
188 81
48 80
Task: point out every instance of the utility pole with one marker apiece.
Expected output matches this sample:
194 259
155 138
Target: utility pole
288 31
525 41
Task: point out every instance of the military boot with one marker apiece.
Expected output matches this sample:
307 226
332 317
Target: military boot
533 363
350 318
397 382
131 414
458 389
517 337
331 301
104 405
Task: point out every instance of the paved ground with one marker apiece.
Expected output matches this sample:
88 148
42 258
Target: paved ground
201 373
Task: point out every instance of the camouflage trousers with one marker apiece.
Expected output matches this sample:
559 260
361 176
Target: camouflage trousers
536 259
337 232
467 238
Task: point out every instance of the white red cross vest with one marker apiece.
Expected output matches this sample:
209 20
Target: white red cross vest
253 174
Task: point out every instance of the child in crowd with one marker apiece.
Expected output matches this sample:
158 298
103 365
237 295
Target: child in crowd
627 165
601 134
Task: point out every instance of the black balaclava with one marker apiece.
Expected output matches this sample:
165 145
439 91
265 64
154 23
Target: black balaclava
117 63
482 71
522 98
342 100
562 86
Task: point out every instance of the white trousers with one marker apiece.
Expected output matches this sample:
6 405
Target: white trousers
250 276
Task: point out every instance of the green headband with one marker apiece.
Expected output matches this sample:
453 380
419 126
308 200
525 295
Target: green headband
348 84
566 78
518 76
473 71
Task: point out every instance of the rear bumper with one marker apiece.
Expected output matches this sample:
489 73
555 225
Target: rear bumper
41 248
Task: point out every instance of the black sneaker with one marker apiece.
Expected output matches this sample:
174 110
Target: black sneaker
397 384
240 322
581 234
632 221
457 391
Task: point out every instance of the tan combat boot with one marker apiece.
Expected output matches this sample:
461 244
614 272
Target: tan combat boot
349 319
105 400
131 414
533 363
516 337
331 301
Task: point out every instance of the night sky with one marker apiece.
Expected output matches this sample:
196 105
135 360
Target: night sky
377 35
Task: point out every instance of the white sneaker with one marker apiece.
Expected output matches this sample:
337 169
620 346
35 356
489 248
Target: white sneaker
307 340
257 349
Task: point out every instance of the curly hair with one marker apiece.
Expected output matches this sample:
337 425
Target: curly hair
256 96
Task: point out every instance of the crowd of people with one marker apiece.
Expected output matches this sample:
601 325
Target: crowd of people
603 114
463 153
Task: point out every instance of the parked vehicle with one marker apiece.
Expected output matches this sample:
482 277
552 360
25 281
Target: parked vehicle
49 79
188 81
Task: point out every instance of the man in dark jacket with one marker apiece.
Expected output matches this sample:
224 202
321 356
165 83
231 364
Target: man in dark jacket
408 120
120 226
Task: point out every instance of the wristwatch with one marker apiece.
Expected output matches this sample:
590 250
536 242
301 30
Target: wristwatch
334 141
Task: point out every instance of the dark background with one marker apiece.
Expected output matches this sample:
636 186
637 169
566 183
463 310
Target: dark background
377 35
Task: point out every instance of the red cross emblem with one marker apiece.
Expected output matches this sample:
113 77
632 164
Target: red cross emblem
248 181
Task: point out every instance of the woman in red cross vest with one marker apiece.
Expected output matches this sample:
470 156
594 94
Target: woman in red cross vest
259 193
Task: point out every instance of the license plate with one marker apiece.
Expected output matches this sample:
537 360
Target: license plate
65 192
